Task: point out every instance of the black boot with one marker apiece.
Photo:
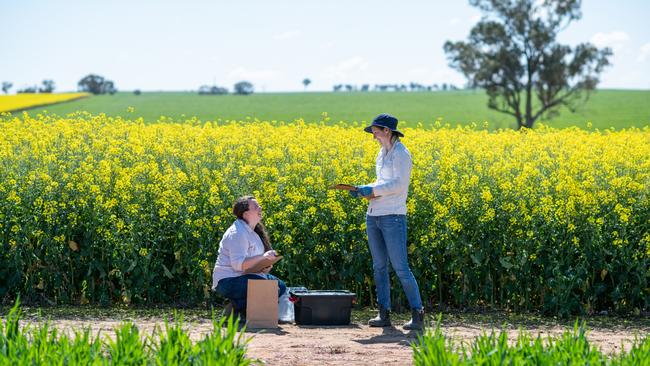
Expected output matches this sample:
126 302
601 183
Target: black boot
241 314
227 309
417 320
382 319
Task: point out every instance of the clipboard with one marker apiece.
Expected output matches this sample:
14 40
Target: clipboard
263 263
348 187
345 187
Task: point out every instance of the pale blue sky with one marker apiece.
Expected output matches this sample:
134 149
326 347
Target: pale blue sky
180 45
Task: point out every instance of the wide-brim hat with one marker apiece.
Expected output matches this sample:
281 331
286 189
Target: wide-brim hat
385 120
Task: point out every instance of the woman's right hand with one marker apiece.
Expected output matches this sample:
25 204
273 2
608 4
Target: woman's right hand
365 191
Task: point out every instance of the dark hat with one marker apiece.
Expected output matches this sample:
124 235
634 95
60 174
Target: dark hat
384 120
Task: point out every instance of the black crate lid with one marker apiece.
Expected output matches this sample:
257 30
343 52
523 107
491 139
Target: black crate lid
322 293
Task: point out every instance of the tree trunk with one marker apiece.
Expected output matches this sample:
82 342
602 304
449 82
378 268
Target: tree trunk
529 103
529 122
520 123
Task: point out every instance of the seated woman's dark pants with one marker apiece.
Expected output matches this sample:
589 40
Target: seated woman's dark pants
236 288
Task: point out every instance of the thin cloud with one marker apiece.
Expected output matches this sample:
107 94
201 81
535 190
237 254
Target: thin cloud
242 73
419 71
644 52
613 39
439 75
354 63
287 35
327 45
346 69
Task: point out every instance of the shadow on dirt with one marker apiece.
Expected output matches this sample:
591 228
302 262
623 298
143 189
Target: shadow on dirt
391 335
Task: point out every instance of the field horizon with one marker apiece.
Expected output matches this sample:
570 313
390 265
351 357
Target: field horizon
608 108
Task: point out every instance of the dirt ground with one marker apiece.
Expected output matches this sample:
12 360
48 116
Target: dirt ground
358 344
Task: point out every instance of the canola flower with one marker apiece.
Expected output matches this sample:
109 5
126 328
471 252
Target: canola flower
99 209
20 101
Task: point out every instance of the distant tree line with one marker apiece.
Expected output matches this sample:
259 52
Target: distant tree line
97 84
413 87
241 88
47 86
212 90
91 83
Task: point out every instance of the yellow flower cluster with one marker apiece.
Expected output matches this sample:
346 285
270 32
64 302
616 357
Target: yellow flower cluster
20 101
150 203
532 179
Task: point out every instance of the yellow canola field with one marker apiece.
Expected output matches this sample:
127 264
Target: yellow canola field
16 102
483 208
538 180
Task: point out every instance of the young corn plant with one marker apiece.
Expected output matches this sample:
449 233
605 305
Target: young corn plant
173 346
13 340
83 349
433 348
46 345
128 347
639 354
570 348
225 345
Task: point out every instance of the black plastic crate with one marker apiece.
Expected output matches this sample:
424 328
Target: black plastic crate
323 307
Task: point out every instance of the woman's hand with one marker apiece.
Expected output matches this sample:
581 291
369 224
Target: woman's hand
365 191
267 270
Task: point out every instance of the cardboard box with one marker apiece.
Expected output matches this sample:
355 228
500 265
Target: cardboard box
262 304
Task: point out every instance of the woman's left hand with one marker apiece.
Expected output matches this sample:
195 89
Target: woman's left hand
267 270
270 253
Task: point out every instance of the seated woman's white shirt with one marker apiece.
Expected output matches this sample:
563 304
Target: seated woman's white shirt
238 243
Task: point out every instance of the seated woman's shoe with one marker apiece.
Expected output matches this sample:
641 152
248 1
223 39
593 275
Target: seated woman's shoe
227 309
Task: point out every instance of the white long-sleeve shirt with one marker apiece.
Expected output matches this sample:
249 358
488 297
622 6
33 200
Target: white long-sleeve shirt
393 169
238 243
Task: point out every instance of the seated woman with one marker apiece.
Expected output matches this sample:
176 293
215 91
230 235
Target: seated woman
242 247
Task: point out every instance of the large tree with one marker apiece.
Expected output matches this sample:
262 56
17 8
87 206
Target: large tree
513 54
6 85
243 88
48 86
96 84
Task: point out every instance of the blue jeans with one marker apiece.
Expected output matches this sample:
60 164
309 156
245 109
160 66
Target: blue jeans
236 288
387 241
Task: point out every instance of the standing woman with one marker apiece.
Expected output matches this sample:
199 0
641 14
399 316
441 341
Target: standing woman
243 245
386 221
